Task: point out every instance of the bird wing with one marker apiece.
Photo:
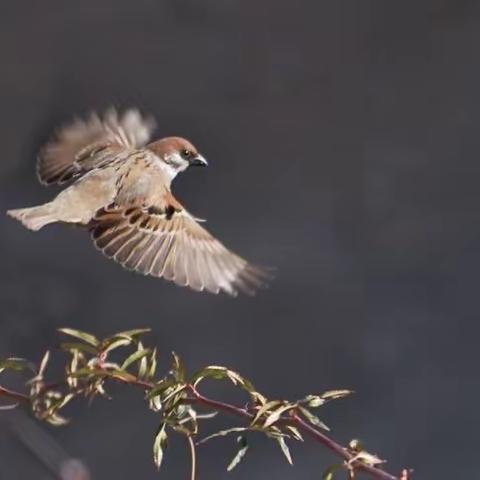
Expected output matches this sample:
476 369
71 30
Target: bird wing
75 148
164 240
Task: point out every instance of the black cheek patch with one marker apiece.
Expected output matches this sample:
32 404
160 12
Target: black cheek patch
169 211
155 211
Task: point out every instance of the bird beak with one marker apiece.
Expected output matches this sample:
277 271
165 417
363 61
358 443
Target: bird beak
198 161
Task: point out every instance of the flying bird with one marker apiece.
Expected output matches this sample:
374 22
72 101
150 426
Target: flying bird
118 187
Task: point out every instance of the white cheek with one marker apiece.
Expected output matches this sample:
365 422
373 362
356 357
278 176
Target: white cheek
170 171
168 168
174 164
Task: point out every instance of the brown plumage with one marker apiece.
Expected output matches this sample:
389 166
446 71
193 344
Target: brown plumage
120 191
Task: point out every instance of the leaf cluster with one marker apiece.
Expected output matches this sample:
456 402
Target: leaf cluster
93 363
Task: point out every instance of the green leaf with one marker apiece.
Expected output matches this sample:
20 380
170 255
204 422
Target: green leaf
114 343
313 419
212 371
314 401
246 385
242 441
206 416
159 388
86 337
87 371
142 366
294 432
275 416
336 394
128 377
56 420
178 371
355 445
133 333
222 433
367 458
82 347
265 408
174 392
235 377
135 357
153 365
258 397
17 365
98 372
285 450
216 372
159 445
43 363
155 404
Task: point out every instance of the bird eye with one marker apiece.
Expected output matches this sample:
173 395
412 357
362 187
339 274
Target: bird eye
186 153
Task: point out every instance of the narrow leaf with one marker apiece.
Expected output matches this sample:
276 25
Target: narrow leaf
43 363
86 337
174 392
135 357
212 371
368 458
314 401
265 408
115 343
159 388
142 366
133 333
177 368
83 347
222 433
336 394
285 450
295 433
313 419
159 445
153 365
275 416
156 404
242 441
17 365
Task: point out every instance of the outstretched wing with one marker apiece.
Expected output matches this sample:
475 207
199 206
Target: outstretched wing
65 156
166 241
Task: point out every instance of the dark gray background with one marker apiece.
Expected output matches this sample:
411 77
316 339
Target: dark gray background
343 141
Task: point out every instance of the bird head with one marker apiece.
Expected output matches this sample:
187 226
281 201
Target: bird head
177 154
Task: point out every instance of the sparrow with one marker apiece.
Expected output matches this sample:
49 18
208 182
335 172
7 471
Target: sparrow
118 187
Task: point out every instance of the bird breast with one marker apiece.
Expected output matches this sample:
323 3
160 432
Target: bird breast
142 181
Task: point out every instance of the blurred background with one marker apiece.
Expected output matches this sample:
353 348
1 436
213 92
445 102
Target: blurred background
343 145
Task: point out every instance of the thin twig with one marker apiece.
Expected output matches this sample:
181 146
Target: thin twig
193 457
197 398
19 397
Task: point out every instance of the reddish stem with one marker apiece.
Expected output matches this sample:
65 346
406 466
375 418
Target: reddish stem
294 419
338 449
19 397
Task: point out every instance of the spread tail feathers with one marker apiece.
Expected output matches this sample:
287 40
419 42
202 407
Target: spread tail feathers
34 218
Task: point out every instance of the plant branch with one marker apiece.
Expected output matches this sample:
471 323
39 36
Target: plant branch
339 450
278 419
294 420
199 399
17 396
